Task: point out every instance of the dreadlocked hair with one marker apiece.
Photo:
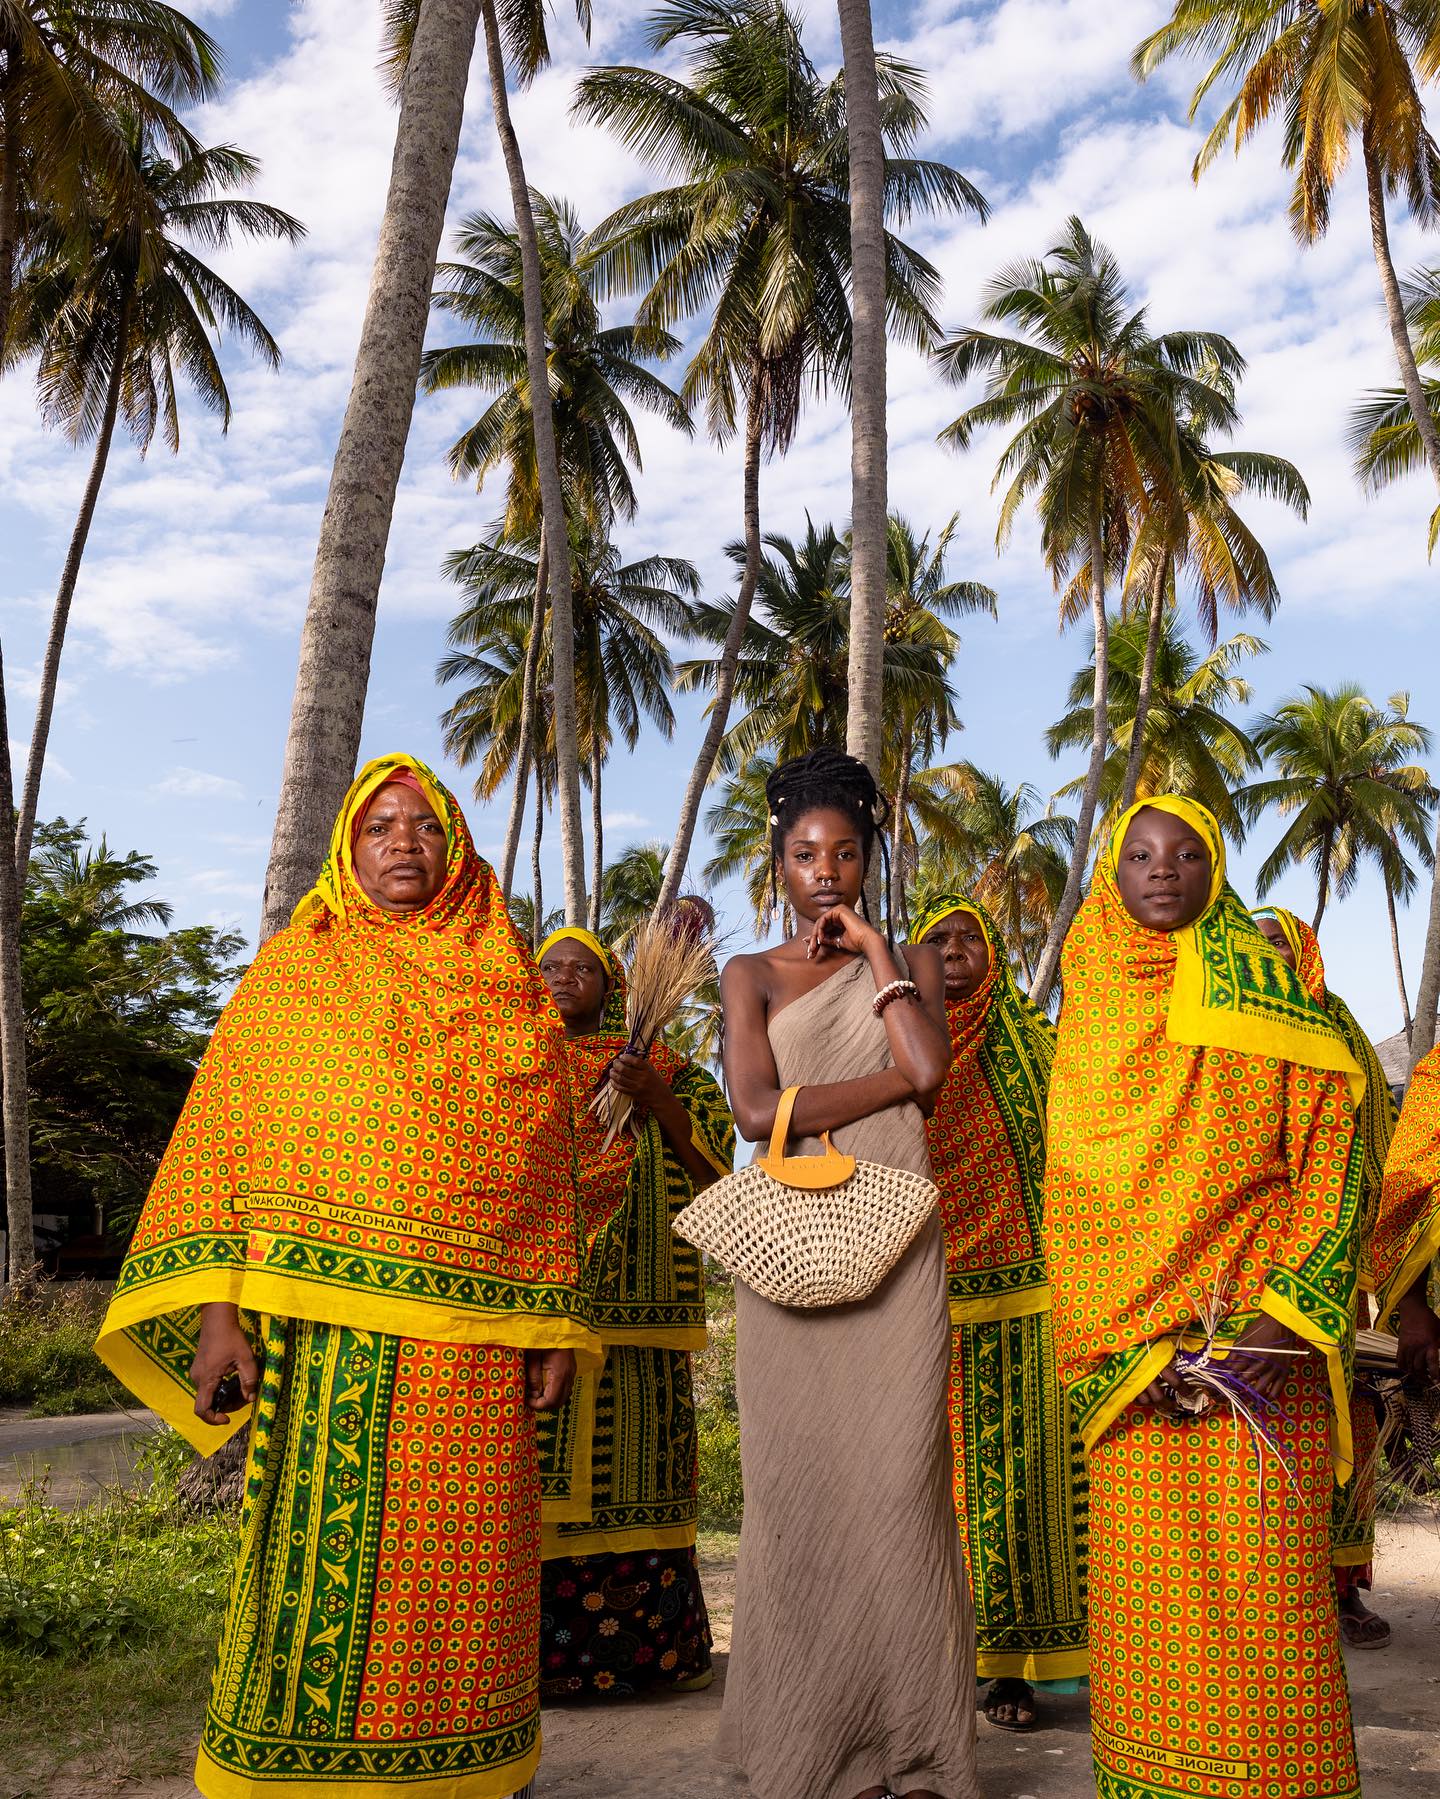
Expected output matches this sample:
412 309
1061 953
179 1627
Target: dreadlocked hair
830 781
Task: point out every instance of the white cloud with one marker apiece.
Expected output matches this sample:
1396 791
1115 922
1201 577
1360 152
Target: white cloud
624 821
195 784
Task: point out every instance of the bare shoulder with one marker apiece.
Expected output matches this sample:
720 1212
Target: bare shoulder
746 974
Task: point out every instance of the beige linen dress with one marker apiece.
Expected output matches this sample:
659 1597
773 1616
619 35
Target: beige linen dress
853 1654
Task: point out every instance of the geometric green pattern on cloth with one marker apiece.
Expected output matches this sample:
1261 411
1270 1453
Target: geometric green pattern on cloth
1322 1289
643 1456
641 1276
1243 973
299 1643
1375 1120
1021 1500
1016 1058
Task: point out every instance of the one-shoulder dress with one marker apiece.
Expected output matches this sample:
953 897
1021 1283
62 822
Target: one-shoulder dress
852 1661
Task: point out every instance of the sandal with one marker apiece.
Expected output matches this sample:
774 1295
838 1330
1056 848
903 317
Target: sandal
1360 1628
1016 1695
1367 1630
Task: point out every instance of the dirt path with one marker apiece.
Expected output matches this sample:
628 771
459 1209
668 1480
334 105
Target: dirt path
662 1749
74 1457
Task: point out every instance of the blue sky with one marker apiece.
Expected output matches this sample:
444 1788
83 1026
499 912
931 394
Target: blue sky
178 673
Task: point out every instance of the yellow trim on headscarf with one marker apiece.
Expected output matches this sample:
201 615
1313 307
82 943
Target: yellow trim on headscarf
1227 992
1287 922
328 893
578 934
927 921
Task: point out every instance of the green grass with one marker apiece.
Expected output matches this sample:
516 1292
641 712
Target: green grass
717 1414
47 1351
109 1618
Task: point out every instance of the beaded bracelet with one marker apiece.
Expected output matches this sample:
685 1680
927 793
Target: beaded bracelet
888 995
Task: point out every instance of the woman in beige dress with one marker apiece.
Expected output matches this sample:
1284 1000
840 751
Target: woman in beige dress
852 1667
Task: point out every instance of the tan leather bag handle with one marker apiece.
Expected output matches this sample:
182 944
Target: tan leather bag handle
831 1168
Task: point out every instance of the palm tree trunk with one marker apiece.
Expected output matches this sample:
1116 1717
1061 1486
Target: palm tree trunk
1427 994
1322 894
1049 964
729 661
1395 311
864 724
69 576
1147 683
1399 961
9 194
529 685
537 920
19 1209
334 670
597 831
895 899
552 496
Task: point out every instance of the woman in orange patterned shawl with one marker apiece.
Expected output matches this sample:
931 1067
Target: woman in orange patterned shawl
1407 1232
1352 1523
1201 1202
373 1169
1019 1466
621 1607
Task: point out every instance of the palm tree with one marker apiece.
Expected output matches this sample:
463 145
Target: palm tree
756 229
623 669
1185 743
593 371
14 1074
792 668
739 826
918 601
1224 559
118 325
1097 398
996 842
1334 72
484 725
865 139
1383 434
630 888
430 72
71 78
1347 785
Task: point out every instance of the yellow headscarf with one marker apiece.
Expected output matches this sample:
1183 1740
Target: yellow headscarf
378 1136
1193 1152
1232 989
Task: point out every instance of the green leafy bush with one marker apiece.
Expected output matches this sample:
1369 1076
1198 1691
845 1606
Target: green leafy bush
718 1420
47 1351
124 1572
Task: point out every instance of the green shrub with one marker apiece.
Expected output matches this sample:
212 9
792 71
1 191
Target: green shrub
718 1422
126 1572
47 1351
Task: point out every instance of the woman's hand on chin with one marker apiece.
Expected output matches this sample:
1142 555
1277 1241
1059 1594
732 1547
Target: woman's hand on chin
840 929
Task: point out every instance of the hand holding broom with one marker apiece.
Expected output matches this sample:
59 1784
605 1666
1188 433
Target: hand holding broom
670 957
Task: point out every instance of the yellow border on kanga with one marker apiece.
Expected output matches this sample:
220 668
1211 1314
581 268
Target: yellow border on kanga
1024 1664
283 1296
577 1508
554 1547
1421 1254
491 1783
1159 1354
1028 1304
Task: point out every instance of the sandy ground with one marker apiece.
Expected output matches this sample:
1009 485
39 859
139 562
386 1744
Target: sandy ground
662 1749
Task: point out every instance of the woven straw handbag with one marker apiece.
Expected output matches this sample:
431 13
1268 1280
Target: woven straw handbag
808 1230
